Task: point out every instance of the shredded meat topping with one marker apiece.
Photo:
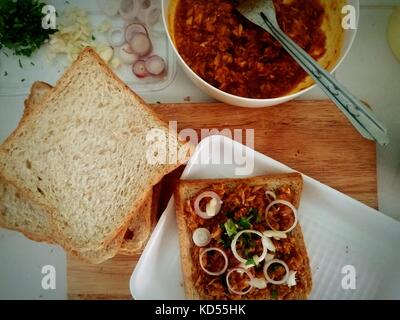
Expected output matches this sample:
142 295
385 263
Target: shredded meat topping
240 58
243 208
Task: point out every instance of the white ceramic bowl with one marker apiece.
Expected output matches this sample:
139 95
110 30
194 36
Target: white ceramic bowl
249 102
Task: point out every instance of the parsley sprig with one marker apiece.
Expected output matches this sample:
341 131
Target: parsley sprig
232 226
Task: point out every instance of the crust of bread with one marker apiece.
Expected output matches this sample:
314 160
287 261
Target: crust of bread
101 255
37 94
186 189
137 236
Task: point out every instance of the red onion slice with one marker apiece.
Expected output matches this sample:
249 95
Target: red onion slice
270 194
133 28
283 264
155 65
201 237
129 9
139 69
205 214
286 203
264 242
152 15
140 44
218 273
241 271
116 37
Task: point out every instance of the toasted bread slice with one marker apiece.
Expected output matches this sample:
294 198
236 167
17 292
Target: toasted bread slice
89 165
187 190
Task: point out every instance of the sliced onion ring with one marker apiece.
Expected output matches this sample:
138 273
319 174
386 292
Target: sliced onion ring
291 282
210 272
201 237
263 241
133 28
155 65
139 69
282 263
206 194
140 44
126 55
286 203
115 37
277 235
240 270
271 194
129 9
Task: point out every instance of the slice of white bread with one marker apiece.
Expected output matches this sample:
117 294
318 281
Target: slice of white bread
187 189
82 155
140 228
38 227
18 212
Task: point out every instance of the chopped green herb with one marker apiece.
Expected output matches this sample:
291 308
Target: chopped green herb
225 241
246 238
32 64
20 64
93 37
21 26
22 80
67 2
250 262
274 294
5 73
244 222
230 228
158 102
5 53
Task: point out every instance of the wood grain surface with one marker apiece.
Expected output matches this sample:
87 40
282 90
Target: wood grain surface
312 137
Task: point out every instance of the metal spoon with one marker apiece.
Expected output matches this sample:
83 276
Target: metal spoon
262 13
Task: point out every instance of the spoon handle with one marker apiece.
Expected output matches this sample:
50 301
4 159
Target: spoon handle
362 118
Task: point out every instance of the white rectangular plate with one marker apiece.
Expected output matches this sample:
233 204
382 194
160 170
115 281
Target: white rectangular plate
341 234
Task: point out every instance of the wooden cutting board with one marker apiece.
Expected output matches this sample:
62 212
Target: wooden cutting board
312 137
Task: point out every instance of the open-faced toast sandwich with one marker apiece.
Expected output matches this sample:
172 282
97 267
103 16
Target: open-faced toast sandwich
240 238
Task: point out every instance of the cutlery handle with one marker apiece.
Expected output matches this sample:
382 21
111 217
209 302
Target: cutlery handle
362 118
